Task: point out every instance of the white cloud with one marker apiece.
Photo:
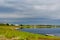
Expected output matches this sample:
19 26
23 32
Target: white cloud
52 7
37 7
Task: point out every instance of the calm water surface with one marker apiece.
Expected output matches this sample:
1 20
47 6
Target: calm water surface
54 31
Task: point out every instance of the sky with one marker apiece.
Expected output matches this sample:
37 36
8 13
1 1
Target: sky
30 11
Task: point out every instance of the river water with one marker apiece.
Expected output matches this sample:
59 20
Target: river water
53 31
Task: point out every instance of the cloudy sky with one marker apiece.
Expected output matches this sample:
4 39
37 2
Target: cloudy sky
30 11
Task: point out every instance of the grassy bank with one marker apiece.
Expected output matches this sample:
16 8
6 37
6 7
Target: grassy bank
9 32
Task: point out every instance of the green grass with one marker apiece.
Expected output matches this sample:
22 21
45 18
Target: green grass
9 32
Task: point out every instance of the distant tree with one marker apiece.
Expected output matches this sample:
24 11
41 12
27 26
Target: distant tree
7 24
21 25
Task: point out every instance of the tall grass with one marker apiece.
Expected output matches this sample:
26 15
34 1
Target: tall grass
10 32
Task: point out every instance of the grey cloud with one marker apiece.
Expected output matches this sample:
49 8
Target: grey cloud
35 8
7 9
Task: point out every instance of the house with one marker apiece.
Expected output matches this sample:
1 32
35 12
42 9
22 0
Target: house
16 24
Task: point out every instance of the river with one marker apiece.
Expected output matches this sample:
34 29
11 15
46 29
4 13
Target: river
54 31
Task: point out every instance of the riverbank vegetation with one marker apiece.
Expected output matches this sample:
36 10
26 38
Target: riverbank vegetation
39 26
30 26
9 32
